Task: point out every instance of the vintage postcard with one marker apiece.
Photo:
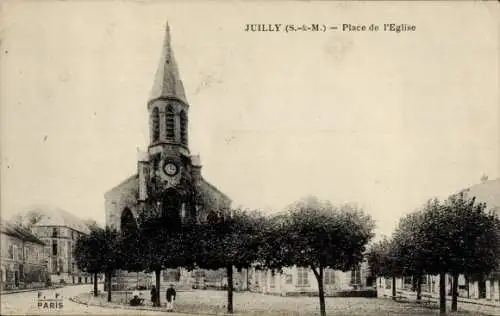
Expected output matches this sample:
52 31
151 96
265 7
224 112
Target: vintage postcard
250 157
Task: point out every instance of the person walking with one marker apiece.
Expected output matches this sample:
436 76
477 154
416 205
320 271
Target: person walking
171 294
153 295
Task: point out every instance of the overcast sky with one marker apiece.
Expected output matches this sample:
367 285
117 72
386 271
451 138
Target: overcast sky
383 120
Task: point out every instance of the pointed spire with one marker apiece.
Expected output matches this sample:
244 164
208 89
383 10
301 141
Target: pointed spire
167 80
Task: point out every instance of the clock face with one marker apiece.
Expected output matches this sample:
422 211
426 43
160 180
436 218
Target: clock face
170 169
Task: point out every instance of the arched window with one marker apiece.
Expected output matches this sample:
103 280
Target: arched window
170 122
183 119
155 124
128 224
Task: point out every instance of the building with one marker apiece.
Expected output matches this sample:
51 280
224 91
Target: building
168 182
488 287
22 259
60 230
302 281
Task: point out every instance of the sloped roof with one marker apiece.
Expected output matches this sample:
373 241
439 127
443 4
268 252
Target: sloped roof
210 187
212 194
487 192
19 232
58 217
167 82
132 181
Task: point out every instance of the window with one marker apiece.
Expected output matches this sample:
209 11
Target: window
302 276
62 248
170 122
11 251
356 276
54 247
329 276
288 279
388 283
155 124
184 128
55 232
272 282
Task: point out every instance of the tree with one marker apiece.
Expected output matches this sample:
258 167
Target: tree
459 237
383 260
227 241
29 219
90 223
164 244
378 258
317 235
99 252
132 250
407 252
85 258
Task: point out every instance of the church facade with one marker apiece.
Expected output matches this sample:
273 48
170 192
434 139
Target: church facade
168 181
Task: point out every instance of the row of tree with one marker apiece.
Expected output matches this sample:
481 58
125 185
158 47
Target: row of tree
311 233
457 236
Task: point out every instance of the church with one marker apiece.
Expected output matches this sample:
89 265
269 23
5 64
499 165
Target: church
168 181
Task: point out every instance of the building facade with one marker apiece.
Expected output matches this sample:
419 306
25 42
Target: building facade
60 230
22 259
168 182
295 280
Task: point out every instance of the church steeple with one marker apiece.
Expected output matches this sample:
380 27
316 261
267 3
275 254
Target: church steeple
167 83
167 104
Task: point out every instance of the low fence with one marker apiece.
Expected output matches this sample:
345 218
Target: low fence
369 293
22 286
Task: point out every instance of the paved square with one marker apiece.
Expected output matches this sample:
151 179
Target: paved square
253 304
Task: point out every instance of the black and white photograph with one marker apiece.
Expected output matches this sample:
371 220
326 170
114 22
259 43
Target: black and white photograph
275 158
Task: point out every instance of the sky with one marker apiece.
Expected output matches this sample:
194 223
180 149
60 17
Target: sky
378 119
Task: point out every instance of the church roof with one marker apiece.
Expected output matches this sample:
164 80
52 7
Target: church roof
167 82
132 181
212 194
213 188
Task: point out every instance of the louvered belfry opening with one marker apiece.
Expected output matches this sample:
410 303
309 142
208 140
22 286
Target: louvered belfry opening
184 121
155 124
170 122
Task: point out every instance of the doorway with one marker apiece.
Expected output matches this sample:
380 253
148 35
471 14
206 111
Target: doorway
482 289
16 278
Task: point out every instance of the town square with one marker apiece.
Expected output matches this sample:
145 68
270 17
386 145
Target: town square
150 166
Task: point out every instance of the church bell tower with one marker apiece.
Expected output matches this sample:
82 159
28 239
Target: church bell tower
169 163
